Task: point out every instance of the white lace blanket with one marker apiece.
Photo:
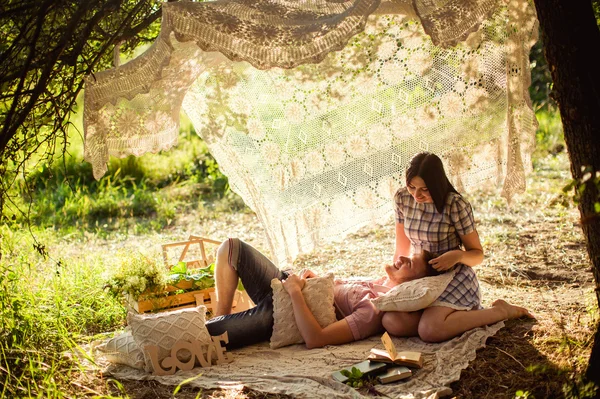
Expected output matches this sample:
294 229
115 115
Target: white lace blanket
328 135
303 373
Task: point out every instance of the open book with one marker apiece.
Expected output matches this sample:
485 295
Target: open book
391 355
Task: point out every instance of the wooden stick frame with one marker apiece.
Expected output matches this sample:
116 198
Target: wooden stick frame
192 240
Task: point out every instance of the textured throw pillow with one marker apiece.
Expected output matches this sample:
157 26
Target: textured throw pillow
165 328
414 295
122 349
318 294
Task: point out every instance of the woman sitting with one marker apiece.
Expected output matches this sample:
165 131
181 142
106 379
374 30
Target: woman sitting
431 215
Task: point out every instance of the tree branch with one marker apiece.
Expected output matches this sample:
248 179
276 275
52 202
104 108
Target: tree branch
5 134
10 129
134 31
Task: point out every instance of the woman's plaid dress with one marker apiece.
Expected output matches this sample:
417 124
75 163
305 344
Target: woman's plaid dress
438 233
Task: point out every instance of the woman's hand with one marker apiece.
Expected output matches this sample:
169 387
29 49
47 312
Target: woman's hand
307 273
447 260
293 284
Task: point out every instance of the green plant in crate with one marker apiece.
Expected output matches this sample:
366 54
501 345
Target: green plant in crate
137 275
134 275
201 278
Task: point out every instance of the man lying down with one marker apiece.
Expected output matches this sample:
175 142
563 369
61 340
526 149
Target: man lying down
357 316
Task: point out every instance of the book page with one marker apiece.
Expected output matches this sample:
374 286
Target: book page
389 345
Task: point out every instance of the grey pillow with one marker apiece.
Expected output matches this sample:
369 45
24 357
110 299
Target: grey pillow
414 295
122 349
165 328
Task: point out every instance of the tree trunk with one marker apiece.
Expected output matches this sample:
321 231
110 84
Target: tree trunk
571 43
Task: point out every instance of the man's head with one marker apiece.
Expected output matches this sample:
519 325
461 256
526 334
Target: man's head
411 268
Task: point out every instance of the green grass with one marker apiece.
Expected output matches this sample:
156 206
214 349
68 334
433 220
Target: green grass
46 306
136 194
549 135
49 306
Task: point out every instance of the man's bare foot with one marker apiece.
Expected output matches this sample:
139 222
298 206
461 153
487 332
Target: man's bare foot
512 311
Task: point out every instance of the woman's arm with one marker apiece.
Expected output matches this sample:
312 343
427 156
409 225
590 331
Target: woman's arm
471 256
473 253
314 335
402 242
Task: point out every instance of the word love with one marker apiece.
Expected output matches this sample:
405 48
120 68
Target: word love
203 353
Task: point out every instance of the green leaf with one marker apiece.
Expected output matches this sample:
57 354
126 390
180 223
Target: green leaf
345 373
597 207
176 277
179 268
356 373
569 186
186 381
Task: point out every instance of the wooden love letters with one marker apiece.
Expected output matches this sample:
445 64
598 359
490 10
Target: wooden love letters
205 354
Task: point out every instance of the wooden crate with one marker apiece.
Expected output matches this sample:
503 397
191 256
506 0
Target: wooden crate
241 301
165 300
161 301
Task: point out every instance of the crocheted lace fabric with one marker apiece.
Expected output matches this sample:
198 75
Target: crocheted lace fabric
313 108
301 373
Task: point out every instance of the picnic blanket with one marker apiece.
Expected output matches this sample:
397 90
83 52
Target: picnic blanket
303 373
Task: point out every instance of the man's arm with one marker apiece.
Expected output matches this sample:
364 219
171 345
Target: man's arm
314 336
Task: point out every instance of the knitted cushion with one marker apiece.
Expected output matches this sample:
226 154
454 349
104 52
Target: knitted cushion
318 294
414 295
122 349
166 328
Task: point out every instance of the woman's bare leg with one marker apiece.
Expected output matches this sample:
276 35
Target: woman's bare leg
402 324
226 280
439 323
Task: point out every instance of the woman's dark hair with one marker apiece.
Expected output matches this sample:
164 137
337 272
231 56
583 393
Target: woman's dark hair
430 168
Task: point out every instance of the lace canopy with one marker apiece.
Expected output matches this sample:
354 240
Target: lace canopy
313 108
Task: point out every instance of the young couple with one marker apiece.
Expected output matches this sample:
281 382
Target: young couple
435 232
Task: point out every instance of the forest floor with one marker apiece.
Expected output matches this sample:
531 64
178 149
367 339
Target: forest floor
535 257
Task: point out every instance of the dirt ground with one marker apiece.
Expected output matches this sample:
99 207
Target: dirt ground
534 257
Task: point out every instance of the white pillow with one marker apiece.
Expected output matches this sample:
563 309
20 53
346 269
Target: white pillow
318 294
165 328
122 349
414 295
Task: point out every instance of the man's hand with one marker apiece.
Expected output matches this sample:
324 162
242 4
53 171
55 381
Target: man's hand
293 284
447 260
